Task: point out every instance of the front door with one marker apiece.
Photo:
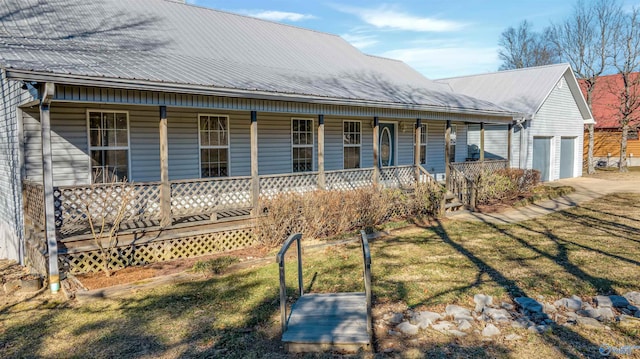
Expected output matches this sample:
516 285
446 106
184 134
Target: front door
387 144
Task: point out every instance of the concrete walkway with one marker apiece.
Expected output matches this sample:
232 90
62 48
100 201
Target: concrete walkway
587 188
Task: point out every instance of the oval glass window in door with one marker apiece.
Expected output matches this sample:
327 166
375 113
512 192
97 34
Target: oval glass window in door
386 154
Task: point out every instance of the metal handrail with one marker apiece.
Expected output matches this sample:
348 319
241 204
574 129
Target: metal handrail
366 254
283 287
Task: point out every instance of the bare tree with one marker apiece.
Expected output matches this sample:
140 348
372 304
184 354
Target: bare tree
522 47
585 40
626 60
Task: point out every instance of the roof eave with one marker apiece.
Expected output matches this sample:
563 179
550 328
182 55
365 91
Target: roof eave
144 85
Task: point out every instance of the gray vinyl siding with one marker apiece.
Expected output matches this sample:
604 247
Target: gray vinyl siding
274 143
240 142
144 144
182 137
79 94
11 215
405 143
495 140
558 117
333 151
435 148
461 143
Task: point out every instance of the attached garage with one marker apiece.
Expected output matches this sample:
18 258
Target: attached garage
551 129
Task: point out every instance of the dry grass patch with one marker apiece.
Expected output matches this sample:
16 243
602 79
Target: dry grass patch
588 250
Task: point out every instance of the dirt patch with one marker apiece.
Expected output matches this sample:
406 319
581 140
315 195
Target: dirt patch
140 273
613 174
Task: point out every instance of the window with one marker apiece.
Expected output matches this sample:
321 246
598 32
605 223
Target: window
351 140
214 145
302 144
108 145
452 143
423 144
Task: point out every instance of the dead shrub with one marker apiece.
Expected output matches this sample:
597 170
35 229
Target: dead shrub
504 184
322 214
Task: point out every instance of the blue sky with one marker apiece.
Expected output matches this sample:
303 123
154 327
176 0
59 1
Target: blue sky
437 38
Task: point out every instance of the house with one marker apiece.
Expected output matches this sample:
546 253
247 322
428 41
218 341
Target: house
607 131
205 112
549 136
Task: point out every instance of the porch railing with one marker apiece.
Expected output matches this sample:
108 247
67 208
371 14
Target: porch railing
463 178
200 196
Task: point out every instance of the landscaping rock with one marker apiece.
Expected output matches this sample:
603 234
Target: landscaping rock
462 317
529 305
549 308
453 310
442 326
602 301
589 313
633 297
424 319
457 333
512 337
571 304
490 331
606 314
394 333
619 301
589 323
522 323
482 301
395 318
498 315
506 306
465 325
407 328
11 286
637 315
539 329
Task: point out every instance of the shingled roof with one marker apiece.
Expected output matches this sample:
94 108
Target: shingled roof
522 90
164 42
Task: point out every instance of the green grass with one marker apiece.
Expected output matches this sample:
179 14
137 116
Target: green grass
588 250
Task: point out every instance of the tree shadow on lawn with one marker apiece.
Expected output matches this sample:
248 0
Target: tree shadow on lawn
179 321
568 342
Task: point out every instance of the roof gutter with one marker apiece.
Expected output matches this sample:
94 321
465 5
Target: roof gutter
142 85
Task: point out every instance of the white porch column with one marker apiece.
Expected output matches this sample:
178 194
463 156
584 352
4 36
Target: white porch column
165 186
416 150
321 176
48 91
481 141
376 150
255 179
447 149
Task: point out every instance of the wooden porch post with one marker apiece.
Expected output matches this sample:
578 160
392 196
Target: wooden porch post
509 135
481 141
416 150
321 177
376 140
447 149
165 186
255 180
48 91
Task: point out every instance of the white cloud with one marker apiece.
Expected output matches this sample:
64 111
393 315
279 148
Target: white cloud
273 15
360 41
448 61
386 17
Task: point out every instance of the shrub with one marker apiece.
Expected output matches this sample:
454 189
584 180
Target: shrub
322 214
504 184
215 265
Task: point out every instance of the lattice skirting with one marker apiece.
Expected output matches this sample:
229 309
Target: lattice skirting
159 251
36 252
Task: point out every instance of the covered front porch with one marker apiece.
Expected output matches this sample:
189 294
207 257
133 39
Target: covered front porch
188 213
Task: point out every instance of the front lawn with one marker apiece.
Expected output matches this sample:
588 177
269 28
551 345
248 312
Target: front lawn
588 250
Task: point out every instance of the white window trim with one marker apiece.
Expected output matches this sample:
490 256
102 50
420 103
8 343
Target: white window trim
351 145
312 145
395 158
228 146
424 132
98 148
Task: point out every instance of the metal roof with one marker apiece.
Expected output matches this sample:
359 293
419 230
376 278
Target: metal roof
521 90
171 43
